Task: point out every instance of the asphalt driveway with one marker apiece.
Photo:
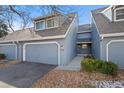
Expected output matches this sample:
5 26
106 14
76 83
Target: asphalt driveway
24 74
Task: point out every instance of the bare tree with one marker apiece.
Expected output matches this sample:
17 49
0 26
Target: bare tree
11 13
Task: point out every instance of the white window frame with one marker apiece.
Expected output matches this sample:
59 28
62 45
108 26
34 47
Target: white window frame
48 20
38 22
115 14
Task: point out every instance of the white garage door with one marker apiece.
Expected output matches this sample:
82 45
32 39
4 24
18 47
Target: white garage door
116 53
42 53
10 50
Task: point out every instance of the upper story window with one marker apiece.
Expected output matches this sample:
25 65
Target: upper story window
119 14
50 23
40 25
45 24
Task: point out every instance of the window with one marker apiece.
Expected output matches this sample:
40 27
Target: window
40 25
119 14
50 23
84 46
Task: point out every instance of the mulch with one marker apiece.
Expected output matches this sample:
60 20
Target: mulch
73 79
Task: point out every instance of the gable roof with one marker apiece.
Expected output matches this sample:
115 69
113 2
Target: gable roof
31 34
104 25
48 16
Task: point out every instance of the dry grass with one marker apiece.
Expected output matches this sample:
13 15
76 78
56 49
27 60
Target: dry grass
72 79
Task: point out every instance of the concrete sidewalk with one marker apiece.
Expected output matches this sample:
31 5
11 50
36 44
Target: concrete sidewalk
5 85
74 65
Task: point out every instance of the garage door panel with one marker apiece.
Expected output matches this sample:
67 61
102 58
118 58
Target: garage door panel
42 53
9 51
116 53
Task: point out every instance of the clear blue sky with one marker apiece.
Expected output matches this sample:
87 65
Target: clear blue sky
82 10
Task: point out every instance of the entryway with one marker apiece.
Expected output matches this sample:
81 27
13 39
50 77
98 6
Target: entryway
74 65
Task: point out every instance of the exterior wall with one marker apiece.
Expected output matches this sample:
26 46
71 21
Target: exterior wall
108 14
60 41
104 43
9 50
84 35
58 20
67 45
70 42
95 47
42 53
84 51
61 19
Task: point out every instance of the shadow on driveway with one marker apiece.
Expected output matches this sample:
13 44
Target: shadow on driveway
24 74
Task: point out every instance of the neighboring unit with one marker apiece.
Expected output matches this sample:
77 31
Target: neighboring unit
108 34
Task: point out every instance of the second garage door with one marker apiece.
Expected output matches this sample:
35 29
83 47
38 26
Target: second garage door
10 50
116 53
42 53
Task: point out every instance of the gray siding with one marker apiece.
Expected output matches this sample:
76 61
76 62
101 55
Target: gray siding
103 44
84 35
115 53
9 51
70 46
67 46
95 41
42 53
60 41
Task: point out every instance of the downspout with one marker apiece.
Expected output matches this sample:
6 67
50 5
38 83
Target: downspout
17 43
101 38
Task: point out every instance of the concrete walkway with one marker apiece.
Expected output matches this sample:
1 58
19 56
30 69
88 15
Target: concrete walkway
74 65
5 85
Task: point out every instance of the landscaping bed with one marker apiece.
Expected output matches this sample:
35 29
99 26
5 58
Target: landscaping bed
73 79
7 63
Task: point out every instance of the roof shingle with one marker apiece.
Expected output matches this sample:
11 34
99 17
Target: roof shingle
104 25
31 34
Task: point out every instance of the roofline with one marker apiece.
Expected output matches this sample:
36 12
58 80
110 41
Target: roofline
112 34
45 17
45 38
107 8
95 25
88 31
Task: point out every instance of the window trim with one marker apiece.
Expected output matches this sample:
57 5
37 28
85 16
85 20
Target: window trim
38 22
50 19
115 14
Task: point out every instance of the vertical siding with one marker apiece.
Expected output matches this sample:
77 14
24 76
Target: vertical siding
70 42
95 41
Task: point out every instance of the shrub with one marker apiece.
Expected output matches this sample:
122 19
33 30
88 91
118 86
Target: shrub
104 67
2 56
87 64
109 68
89 56
98 64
